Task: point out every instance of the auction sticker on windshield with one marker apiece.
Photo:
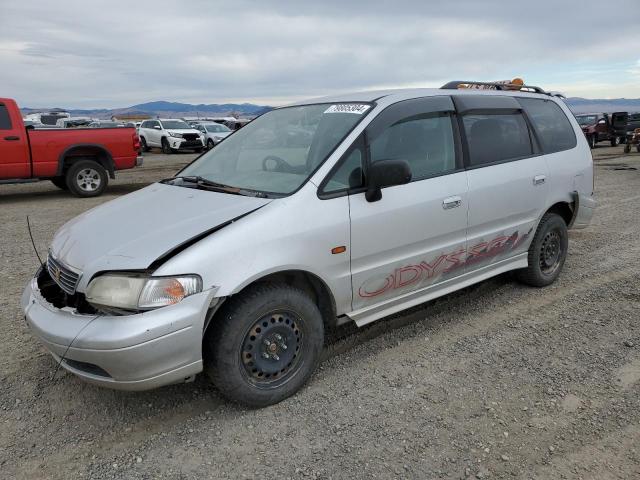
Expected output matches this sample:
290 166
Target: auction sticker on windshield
357 108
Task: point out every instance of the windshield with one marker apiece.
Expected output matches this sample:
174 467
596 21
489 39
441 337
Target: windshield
586 119
279 150
175 124
216 128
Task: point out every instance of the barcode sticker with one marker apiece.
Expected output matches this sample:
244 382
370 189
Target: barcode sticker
357 108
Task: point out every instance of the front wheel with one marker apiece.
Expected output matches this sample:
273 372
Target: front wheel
547 253
166 148
86 178
264 344
592 141
143 144
210 144
615 141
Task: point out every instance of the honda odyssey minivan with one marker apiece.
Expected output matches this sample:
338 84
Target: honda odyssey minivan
342 209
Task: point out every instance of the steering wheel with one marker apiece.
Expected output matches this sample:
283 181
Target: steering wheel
273 163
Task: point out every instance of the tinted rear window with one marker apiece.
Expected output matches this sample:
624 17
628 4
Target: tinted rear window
551 124
496 138
5 121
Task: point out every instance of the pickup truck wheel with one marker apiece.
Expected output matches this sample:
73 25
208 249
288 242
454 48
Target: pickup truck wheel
86 178
615 141
592 141
547 253
264 344
143 144
166 148
60 182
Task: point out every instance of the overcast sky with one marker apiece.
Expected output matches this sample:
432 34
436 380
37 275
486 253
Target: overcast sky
95 53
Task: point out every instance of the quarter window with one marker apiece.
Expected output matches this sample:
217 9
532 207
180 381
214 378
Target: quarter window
551 124
349 174
5 121
424 141
496 138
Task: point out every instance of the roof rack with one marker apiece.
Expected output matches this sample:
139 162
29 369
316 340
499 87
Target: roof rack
458 84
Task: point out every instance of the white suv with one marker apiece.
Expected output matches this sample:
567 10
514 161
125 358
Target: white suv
344 209
170 135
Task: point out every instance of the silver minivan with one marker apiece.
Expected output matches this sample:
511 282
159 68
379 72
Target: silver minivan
342 209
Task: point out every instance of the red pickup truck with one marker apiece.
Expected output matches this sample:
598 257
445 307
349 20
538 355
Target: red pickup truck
80 160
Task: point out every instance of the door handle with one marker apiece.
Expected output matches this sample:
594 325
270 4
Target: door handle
451 202
12 138
539 179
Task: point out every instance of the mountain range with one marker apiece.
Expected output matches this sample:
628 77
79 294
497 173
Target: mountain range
174 109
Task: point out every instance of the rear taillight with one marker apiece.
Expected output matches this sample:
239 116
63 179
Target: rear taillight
136 142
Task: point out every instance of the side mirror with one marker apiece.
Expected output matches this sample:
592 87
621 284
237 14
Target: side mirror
386 173
157 127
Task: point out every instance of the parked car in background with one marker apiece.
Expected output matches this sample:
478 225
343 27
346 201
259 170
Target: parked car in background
599 127
79 160
169 134
105 124
237 123
241 263
48 118
213 133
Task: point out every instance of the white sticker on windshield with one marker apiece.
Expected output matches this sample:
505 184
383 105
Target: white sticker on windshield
357 108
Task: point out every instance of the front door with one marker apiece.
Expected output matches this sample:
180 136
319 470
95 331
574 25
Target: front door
415 235
14 147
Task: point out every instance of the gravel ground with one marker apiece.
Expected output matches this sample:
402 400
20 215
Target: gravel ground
497 381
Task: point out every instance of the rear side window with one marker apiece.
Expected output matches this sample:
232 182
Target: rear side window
424 141
551 124
5 121
496 138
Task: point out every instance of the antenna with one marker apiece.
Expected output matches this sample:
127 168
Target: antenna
33 243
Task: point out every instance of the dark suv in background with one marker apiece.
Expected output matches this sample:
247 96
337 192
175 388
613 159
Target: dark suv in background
598 127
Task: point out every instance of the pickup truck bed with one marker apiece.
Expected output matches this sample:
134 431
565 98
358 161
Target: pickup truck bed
80 160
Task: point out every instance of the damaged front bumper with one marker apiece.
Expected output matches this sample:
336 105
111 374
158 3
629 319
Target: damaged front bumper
128 352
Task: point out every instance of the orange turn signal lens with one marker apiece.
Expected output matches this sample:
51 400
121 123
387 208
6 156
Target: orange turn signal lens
340 249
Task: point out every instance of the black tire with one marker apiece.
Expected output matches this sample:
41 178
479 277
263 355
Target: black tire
627 148
143 145
166 148
592 141
210 144
615 141
86 178
638 148
59 182
547 253
272 320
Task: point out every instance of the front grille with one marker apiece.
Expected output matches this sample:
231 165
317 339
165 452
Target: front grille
191 137
66 278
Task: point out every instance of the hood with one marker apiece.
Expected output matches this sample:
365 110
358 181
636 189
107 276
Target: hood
183 130
129 233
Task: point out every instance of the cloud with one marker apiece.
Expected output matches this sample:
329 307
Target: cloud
115 53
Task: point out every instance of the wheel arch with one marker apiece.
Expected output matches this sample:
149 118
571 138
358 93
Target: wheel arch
565 209
83 151
310 283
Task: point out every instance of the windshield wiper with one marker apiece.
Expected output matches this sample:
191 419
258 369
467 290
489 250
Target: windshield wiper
220 187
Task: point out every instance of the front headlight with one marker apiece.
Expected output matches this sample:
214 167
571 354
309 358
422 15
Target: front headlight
134 292
175 134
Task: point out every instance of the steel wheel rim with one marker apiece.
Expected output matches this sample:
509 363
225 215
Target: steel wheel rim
88 180
271 352
550 252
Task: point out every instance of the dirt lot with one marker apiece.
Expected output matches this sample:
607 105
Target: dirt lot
497 381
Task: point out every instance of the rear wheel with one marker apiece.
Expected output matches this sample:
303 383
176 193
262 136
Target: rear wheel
592 141
60 182
615 141
264 344
86 178
547 253
143 144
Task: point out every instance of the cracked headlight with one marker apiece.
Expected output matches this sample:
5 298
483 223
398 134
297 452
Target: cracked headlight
136 292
